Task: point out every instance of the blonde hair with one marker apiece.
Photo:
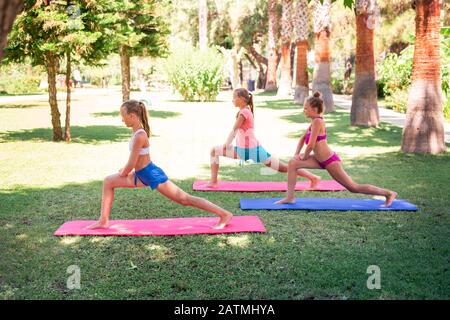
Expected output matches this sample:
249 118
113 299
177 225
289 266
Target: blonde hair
139 109
248 97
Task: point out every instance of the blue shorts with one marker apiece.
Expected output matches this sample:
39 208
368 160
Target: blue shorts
257 154
151 175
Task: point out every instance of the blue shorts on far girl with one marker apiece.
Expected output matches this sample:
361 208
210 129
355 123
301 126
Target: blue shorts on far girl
257 154
151 175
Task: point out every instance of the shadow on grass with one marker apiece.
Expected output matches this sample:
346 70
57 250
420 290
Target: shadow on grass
152 114
4 94
266 94
24 105
283 104
85 135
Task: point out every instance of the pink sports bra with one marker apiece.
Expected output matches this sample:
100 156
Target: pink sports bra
319 138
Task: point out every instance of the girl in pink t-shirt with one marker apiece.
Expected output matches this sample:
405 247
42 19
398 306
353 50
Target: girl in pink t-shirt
247 146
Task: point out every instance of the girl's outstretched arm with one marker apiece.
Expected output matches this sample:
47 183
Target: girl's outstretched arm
239 121
139 141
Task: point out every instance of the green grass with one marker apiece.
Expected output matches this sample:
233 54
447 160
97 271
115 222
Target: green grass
304 254
87 135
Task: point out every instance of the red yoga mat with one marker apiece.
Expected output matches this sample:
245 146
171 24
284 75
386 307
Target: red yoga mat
259 186
162 227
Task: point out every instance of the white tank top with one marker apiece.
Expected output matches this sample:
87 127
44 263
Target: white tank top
143 151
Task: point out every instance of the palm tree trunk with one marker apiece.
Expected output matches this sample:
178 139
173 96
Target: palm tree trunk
235 57
301 73
271 84
364 110
56 115
284 88
8 12
301 28
285 79
203 24
67 136
322 72
424 127
125 70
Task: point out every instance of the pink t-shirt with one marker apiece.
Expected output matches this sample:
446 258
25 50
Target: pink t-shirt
245 137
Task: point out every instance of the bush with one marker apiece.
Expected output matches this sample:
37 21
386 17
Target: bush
195 74
447 108
380 88
395 72
397 100
20 79
337 85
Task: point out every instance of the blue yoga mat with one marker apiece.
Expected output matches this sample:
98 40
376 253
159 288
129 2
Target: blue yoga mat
338 204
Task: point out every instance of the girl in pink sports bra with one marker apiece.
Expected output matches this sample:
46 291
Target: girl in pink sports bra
323 157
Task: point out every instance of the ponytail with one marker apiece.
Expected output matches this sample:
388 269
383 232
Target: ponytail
144 118
138 108
250 103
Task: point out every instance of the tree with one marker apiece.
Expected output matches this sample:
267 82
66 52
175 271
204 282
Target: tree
424 126
138 29
203 24
364 110
8 12
322 72
301 29
284 88
253 37
47 32
271 84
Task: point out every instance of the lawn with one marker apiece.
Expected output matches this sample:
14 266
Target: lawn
304 254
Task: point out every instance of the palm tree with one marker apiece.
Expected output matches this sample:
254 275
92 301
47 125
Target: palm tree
271 84
286 34
424 127
202 23
322 72
301 29
364 111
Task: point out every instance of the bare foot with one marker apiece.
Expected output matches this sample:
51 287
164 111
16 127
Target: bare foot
211 184
390 198
98 225
285 200
223 221
314 182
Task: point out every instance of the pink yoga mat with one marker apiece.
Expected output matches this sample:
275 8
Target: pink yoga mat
162 227
258 186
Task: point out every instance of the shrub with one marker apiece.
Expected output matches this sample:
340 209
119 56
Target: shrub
397 100
20 79
447 108
395 71
195 74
